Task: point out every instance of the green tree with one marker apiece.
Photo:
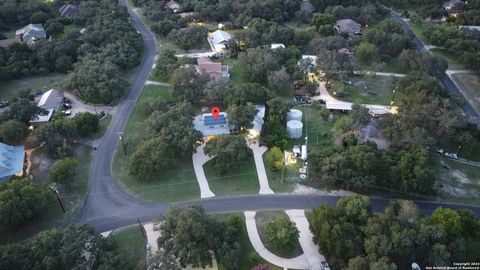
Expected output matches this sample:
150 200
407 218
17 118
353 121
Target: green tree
279 81
281 234
13 132
188 84
366 52
256 63
228 150
63 171
215 89
162 260
21 201
189 235
151 156
241 116
167 63
248 92
86 123
274 158
59 249
189 38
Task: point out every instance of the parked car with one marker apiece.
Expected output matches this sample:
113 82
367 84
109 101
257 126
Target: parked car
4 104
67 105
325 265
68 112
66 100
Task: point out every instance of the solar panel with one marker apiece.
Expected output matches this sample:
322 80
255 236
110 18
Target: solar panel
210 121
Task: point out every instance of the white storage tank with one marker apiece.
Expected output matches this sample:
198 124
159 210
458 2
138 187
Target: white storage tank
294 114
294 129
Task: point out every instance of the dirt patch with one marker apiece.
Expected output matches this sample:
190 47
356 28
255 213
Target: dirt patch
460 177
457 191
301 189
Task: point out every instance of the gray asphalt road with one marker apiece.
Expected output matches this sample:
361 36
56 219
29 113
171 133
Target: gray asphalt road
107 206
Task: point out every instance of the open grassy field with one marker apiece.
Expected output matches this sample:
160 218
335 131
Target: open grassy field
178 183
419 30
12 88
379 90
132 246
458 182
470 86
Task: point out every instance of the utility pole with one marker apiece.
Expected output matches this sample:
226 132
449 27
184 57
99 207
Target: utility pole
393 97
54 189
123 143
141 229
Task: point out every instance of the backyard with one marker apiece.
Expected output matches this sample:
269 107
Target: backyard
365 90
12 88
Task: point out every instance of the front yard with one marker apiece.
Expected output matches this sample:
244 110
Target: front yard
177 184
365 90
470 86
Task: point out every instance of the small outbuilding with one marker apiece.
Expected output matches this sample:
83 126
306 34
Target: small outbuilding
218 40
11 161
174 6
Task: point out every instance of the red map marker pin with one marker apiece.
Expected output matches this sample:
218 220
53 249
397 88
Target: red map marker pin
215 112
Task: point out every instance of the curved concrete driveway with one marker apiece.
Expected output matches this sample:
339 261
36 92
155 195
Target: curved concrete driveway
262 173
199 158
299 262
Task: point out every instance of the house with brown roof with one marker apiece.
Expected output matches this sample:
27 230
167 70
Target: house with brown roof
213 69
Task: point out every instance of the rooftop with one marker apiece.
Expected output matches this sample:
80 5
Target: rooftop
206 124
11 160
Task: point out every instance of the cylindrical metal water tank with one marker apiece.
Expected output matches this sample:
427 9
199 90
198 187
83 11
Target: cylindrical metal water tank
294 114
294 129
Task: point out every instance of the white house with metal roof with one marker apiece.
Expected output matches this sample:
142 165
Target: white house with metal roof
52 99
218 40
11 161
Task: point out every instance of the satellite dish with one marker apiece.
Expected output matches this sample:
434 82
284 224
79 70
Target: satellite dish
415 266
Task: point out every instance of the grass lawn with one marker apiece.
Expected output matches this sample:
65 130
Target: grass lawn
262 219
11 88
451 58
237 75
241 179
460 182
71 197
178 183
419 30
470 86
132 246
380 90
104 123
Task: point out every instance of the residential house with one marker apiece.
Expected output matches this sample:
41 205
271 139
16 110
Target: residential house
449 6
50 101
218 40
173 6
69 10
208 126
306 5
31 33
11 161
348 26
469 27
212 69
